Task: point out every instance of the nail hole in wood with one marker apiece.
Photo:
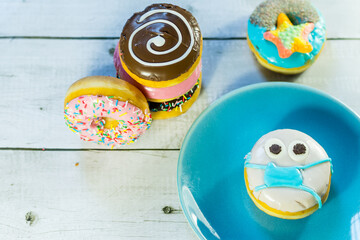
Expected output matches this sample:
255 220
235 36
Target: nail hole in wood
30 218
168 210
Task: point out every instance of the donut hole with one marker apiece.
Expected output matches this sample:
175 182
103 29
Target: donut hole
104 123
110 123
97 123
291 18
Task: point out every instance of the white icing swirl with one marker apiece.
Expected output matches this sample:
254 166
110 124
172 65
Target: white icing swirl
159 40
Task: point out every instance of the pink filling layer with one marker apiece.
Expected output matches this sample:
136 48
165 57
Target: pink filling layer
85 116
158 93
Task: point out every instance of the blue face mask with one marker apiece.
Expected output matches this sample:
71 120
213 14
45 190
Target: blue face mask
290 177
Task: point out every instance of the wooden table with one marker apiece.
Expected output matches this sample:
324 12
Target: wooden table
54 186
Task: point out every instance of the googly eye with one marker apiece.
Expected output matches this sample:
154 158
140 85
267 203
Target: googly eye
274 148
298 151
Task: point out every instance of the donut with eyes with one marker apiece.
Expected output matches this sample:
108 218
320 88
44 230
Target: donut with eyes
288 174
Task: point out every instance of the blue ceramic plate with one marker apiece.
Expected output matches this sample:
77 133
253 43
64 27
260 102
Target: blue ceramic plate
210 169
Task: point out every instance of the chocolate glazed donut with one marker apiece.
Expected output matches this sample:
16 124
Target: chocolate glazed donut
160 43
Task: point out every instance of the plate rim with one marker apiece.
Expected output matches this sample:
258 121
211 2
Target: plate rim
230 94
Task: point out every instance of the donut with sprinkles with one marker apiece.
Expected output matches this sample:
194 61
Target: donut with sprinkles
106 110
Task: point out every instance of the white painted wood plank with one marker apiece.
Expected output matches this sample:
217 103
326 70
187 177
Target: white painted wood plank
109 195
226 18
36 73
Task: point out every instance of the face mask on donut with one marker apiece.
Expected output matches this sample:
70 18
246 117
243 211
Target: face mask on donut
291 177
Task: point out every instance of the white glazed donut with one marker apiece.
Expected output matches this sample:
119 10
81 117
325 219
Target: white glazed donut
288 174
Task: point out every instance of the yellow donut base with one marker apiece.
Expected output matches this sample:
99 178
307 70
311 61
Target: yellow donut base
274 68
176 111
108 86
281 214
167 83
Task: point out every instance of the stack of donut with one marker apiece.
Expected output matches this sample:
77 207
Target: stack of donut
159 52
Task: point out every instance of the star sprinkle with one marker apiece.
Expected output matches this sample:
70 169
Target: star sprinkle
289 38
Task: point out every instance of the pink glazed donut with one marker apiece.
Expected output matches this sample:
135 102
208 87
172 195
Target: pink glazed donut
158 93
106 110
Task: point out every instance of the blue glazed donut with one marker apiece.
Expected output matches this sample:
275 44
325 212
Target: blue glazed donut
286 36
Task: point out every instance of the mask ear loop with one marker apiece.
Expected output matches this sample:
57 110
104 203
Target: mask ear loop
318 162
309 190
250 165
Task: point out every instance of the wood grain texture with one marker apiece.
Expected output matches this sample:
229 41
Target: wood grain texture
75 193
36 73
107 195
106 18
